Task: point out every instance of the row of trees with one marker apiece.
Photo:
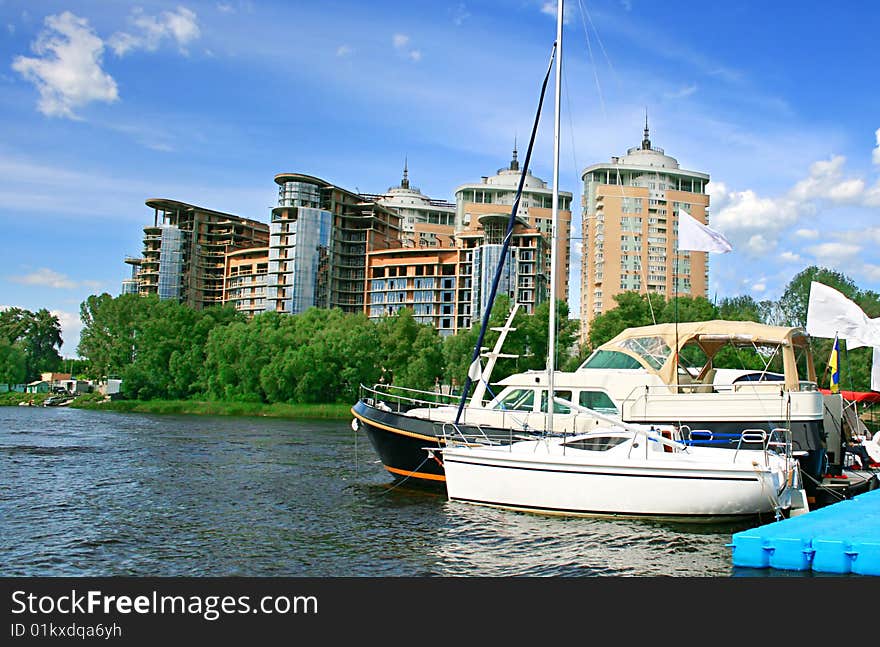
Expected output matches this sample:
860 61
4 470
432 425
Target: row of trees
29 344
163 349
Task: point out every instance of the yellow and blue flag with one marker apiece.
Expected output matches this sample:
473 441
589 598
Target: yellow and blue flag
834 365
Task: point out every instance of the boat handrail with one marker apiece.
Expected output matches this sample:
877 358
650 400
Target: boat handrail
404 395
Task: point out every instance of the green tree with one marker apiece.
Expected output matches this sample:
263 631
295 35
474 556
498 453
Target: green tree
741 308
12 363
38 335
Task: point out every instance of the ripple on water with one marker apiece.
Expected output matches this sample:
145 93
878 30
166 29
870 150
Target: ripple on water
92 493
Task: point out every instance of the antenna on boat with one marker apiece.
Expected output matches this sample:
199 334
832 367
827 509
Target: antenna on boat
474 369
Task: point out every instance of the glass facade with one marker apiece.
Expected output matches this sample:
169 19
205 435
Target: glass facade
299 260
486 259
170 262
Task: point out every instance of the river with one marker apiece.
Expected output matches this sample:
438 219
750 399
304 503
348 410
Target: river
91 493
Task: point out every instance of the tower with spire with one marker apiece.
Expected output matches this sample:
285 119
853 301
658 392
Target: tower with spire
646 142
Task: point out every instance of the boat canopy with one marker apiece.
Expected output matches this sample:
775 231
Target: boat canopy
656 348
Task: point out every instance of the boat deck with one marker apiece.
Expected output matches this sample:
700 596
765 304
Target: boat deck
842 538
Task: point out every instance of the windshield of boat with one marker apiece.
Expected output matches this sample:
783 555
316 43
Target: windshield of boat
517 400
610 359
653 350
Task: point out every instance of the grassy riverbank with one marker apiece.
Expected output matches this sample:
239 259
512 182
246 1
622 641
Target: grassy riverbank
194 407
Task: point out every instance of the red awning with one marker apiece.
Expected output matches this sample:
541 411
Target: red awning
857 396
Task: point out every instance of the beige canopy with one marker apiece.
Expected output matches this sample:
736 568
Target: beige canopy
657 347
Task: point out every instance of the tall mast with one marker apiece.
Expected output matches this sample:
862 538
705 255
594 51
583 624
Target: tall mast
551 340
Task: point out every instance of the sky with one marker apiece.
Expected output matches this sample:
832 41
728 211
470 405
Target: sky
104 105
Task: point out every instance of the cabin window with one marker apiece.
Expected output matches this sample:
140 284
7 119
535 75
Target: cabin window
597 401
610 359
518 400
596 443
557 407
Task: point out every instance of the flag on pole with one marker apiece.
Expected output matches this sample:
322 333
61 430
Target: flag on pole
696 237
834 365
475 371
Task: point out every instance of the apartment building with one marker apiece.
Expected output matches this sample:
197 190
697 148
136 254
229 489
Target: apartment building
320 236
630 228
184 253
496 194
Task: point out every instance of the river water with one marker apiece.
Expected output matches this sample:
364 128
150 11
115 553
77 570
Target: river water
88 493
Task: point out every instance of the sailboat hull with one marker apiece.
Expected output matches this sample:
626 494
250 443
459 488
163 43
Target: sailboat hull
526 479
400 442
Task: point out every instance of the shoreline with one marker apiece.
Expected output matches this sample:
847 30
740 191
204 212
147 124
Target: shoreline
335 411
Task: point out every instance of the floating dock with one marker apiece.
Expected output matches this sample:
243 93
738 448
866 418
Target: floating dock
842 538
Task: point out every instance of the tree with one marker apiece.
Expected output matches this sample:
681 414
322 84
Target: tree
741 308
38 335
12 363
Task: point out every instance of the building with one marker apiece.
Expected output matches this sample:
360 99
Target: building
415 208
493 194
132 285
184 255
246 274
447 284
630 224
320 235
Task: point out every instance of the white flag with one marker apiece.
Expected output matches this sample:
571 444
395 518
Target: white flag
696 237
875 371
830 314
475 372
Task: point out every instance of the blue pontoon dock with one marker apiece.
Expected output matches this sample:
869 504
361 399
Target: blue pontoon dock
842 538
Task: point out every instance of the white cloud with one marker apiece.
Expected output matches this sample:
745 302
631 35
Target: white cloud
52 279
875 155
71 327
790 257
401 44
760 285
460 14
835 252
343 50
826 182
682 92
224 7
67 71
746 211
759 245
811 234
180 26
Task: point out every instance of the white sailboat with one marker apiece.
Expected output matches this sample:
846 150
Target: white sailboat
616 468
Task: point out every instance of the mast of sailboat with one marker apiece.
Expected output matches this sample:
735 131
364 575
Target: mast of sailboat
551 339
474 370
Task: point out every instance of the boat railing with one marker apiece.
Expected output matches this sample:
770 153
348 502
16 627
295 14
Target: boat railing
400 398
777 440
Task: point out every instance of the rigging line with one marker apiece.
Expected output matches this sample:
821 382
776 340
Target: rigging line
599 40
593 61
513 211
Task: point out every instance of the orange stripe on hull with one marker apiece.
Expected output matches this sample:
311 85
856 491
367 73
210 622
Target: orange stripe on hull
417 475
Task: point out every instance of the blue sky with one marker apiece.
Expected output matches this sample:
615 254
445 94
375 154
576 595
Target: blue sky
104 105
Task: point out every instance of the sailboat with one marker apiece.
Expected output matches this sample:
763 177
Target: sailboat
617 468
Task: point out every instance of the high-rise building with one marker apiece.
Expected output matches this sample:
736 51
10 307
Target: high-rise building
630 225
185 249
320 235
494 193
415 208
448 284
